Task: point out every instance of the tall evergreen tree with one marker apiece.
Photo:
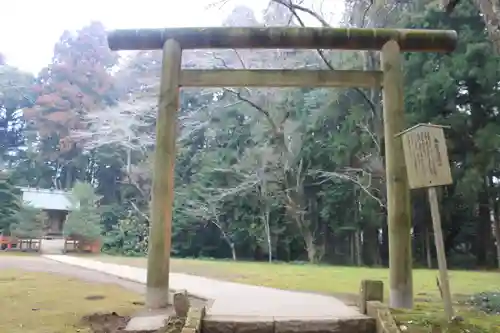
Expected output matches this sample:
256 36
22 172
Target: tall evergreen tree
461 90
10 203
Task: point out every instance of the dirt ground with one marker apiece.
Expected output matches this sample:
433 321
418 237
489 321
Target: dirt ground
98 322
108 323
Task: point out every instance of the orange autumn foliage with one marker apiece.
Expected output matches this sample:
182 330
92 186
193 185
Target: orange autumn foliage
76 82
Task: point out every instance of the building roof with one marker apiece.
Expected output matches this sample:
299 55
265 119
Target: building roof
48 199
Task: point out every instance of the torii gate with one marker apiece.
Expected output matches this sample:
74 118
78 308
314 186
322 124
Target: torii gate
390 42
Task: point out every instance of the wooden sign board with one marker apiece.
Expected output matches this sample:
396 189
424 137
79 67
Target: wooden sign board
426 156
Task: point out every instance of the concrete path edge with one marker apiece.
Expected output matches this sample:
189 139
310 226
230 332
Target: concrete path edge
118 274
234 299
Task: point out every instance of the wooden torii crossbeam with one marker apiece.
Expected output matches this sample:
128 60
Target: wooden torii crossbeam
409 40
390 42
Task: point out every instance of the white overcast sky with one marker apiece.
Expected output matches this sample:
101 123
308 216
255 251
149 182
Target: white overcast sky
30 28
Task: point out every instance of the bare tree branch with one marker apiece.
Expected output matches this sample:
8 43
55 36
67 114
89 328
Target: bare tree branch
122 124
140 212
219 3
248 184
294 8
372 136
257 107
329 175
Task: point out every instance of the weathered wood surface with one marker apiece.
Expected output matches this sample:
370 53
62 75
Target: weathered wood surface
181 303
441 254
383 316
426 156
371 304
418 40
194 321
279 78
162 198
398 193
370 290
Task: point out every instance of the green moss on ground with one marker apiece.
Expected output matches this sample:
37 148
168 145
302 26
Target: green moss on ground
429 317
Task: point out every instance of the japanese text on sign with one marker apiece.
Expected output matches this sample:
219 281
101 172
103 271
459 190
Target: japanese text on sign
426 156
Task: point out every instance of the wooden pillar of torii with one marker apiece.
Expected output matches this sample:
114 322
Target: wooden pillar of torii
390 42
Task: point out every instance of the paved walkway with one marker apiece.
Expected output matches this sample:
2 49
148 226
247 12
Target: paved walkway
234 299
38 264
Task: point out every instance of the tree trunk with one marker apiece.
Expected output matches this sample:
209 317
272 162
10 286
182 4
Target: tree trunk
225 236
267 230
495 223
295 207
483 230
310 247
230 243
491 13
233 250
352 248
129 160
428 250
370 240
494 217
358 243
384 245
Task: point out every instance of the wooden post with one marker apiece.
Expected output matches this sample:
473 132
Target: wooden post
427 163
398 196
157 291
181 303
370 290
441 255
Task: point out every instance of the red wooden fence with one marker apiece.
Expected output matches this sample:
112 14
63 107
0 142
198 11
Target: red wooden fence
20 244
78 245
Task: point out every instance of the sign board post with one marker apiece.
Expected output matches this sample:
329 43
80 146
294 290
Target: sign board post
427 166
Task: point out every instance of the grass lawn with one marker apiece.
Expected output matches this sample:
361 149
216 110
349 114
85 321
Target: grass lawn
344 283
333 280
47 303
